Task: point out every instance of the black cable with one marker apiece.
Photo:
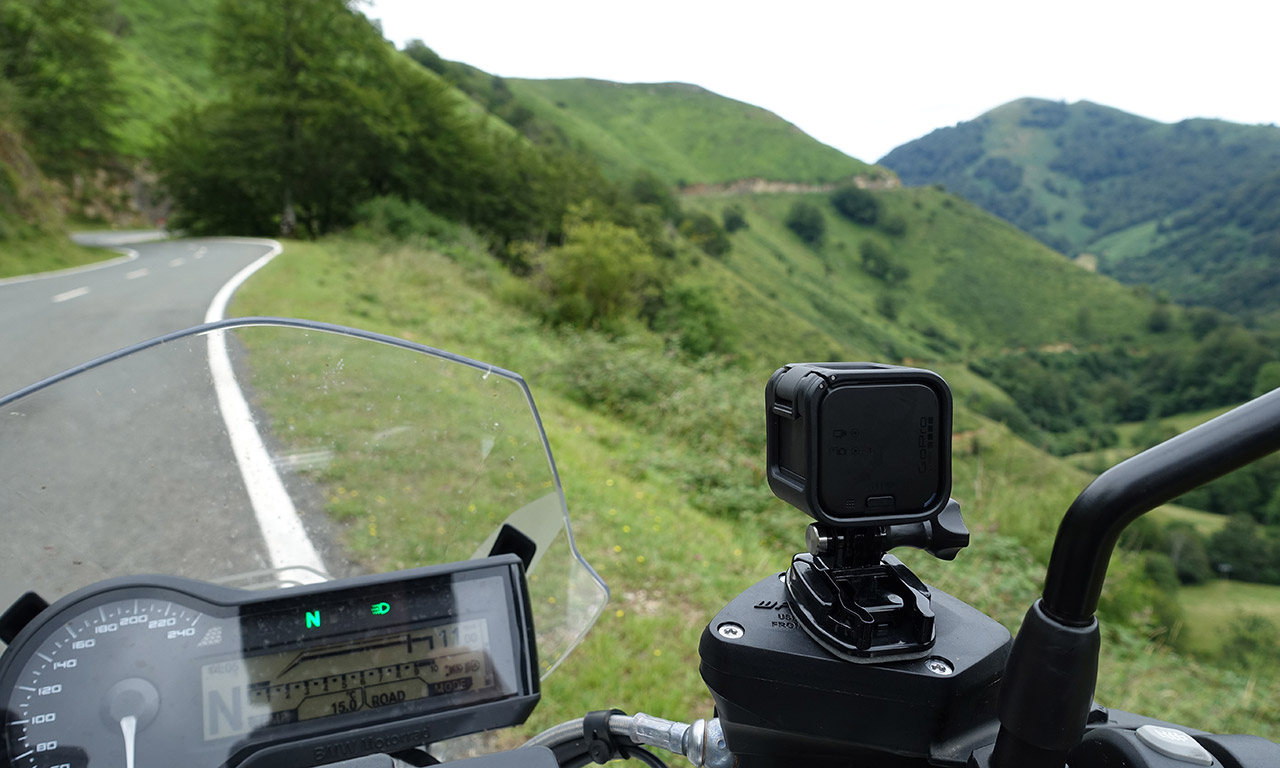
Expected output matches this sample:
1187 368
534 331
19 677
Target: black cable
643 755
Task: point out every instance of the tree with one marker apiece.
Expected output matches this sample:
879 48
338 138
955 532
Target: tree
1241 545
419 52
856 205
647 189
706 233
807 222
734 218
309 69
1267 379
57 54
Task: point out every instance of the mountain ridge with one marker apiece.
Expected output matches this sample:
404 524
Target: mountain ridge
1078 176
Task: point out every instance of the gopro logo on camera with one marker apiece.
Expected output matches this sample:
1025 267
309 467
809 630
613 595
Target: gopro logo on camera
859 444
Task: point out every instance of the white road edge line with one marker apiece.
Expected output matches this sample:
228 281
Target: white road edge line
288 546
129 255
74 293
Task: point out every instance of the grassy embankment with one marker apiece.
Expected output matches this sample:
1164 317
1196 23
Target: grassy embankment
44 254
672 565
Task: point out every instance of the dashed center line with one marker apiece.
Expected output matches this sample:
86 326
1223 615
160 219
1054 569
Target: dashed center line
177 262
72 294
137 273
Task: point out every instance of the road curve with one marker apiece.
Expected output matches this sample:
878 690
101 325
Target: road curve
67 519
53 322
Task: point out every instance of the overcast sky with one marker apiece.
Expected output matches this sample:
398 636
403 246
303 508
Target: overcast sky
867 76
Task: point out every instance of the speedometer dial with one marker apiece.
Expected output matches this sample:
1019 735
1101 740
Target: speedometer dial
63 701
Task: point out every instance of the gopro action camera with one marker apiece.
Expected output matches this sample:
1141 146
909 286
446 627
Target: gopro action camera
859 444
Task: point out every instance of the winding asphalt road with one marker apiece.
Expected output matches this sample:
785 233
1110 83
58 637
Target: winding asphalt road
51 323
65 520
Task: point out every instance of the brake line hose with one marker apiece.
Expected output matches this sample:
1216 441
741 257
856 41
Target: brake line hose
702 742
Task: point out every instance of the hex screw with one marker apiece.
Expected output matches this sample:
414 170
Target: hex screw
939 667
731 630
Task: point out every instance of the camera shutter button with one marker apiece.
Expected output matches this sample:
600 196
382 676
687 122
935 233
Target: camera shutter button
1176 744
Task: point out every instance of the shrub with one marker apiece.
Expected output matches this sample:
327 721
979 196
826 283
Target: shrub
879 262
887 306
399 219
856 205
703 231
734 218
647 189
602 274
894 224
695 317
807 222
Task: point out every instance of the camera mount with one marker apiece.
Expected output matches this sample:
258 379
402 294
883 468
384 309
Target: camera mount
865 450
861 603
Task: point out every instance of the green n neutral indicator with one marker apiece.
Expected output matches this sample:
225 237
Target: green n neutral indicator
313 619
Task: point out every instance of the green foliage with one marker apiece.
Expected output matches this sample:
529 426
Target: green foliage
1004 174
336 118
734 218
887 305
1268 378
648 189
419 52
1251 642
1160 569
1063 392
399 219
879 262
698 320
705 232
57 55
894 225
1186 550
1245 551
1153 432
1160 319
1218 252
807 222
856 205
599 278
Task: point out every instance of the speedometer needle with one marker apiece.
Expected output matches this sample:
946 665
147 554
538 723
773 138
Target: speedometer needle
129 727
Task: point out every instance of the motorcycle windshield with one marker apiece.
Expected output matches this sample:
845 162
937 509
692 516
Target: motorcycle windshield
265 453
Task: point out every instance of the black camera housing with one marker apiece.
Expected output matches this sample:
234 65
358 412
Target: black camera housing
859 444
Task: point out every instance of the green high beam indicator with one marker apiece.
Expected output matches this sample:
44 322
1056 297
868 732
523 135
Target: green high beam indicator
313 619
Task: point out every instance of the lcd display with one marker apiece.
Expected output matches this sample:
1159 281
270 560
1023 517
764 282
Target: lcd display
286 687
365 652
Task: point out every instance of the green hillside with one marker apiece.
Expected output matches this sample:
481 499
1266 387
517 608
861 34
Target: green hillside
682 133
1187 208
1221 252
1070 174
33 235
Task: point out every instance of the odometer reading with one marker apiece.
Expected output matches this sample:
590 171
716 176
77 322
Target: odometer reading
241 695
